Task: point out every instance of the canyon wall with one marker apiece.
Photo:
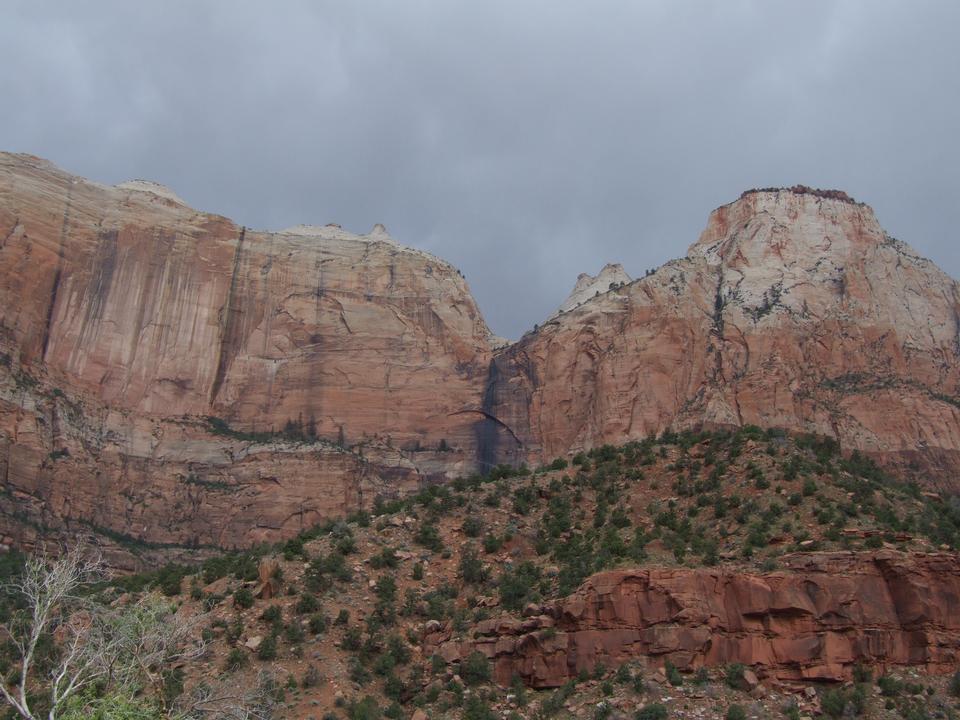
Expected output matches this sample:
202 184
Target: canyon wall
793 310
170 380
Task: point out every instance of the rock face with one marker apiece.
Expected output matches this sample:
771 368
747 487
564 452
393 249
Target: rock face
127 318
814 621
171 380
130 297
793 310
609 278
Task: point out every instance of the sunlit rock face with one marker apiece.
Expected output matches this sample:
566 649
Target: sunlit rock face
793 310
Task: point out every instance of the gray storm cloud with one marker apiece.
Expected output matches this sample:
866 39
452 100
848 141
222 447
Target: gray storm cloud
524 142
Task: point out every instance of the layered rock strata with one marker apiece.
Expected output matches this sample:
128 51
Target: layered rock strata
154 358
813 621
170 378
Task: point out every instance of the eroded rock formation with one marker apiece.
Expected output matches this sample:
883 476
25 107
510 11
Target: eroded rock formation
793 310
816 619
335 367
611 276
171 379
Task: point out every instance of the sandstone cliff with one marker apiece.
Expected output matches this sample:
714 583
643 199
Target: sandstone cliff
793 310
171 379
130 297
814 621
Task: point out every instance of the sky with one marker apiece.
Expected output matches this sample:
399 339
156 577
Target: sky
525 142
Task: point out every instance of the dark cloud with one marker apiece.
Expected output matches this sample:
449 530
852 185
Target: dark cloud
525 142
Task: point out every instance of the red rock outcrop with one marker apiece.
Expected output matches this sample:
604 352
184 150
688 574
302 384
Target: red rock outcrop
815 620
793 310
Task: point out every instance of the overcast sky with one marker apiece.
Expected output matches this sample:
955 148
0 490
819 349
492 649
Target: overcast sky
525 142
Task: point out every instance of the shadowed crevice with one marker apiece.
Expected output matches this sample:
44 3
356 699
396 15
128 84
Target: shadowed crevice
229 325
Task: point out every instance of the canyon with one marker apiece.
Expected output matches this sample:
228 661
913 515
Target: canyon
172 383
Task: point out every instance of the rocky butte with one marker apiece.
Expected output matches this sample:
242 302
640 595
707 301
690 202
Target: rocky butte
172 381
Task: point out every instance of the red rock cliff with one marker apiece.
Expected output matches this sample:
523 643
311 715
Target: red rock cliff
793 310
340 367
126 318
814 621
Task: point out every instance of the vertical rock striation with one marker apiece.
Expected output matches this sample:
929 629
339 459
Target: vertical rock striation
169 378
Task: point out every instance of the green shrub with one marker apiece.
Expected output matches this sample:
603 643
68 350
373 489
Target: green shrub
393 687
889 686
112 706
271 614
352 639
655 711
832 702
955 684
673 675
517 585
472 526
736 712
791 710
471 567
311 678
475 669
358 673
236 659
491 543
386 558
293 632
365 709
267 649
478 708
429 536
307 603
170 577
346 545
386 588
243 598
318 624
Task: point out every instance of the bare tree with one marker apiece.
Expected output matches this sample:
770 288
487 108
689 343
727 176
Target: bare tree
151 638
219 703
125 648
53 608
